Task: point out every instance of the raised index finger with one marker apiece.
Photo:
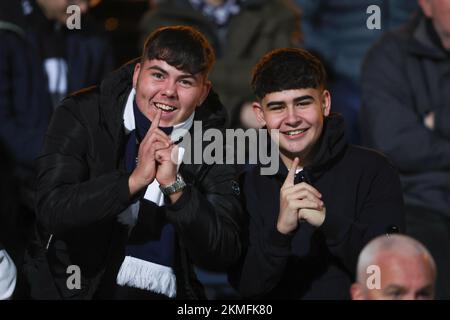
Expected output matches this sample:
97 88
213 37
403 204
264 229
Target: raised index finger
291 175
155 122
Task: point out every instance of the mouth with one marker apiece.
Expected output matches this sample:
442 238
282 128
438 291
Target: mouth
295 133
164 107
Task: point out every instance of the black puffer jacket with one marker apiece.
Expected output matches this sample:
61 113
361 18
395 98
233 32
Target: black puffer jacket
82 187
363 199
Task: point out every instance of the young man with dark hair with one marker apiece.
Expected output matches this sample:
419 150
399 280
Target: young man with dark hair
309 221
111 199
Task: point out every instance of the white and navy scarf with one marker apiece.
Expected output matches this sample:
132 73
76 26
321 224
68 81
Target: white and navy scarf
148 266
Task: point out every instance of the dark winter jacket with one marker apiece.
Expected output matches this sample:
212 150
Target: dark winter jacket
362 195
406 76
260 26
83 187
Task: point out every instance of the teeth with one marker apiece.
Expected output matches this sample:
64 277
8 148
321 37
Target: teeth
164 107
294 132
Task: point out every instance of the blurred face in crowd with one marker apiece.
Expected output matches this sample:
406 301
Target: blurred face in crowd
403 277
439 12
161 86
57 9
299 115
215 2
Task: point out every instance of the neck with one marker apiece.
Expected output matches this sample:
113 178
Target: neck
289 159
305 157
215 3
444 37
446 43
44 10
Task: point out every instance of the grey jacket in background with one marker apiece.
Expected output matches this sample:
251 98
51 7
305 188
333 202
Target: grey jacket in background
406 75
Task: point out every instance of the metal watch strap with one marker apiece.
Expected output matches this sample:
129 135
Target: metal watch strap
173 187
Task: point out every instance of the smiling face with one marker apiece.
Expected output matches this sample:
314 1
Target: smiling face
161 86
298 114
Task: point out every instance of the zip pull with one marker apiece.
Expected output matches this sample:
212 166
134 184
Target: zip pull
49 241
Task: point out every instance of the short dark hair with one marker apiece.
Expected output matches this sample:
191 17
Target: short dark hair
286 69
182 47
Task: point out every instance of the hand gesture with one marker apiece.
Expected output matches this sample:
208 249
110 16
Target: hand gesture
167 159
146 166
294 199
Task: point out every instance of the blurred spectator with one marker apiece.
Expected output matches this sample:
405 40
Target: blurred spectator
336 31
405 113
41 61
240 31
404 267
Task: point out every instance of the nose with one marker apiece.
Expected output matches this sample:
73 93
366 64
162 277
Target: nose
170 90
292 118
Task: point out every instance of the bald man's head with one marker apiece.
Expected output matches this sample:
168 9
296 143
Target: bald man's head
394 267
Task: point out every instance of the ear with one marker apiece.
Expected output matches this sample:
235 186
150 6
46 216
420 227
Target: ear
258 110
356 292
426 8
137 70
205 91
326 102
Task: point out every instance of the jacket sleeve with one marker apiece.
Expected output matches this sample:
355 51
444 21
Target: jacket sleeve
262 265
389 121
380 211
209 220
67 198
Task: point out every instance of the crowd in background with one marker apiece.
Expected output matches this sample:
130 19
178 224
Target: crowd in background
391 84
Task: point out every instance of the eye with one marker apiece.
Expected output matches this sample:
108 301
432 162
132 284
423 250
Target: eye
303 103
395 295
186 83
157 75
425 295
276 108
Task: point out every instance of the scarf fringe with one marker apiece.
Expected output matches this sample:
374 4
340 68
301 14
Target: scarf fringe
148 276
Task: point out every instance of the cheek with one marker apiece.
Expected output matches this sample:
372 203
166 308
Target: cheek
273 121
146 90
188 99
315 121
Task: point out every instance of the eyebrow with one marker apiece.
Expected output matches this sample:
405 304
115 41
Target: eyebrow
426 289
394 287
182 76
295 100
158 69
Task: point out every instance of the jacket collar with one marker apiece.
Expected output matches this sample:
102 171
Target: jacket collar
425 40
114 91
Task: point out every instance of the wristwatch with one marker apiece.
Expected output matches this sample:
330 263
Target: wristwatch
173 187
